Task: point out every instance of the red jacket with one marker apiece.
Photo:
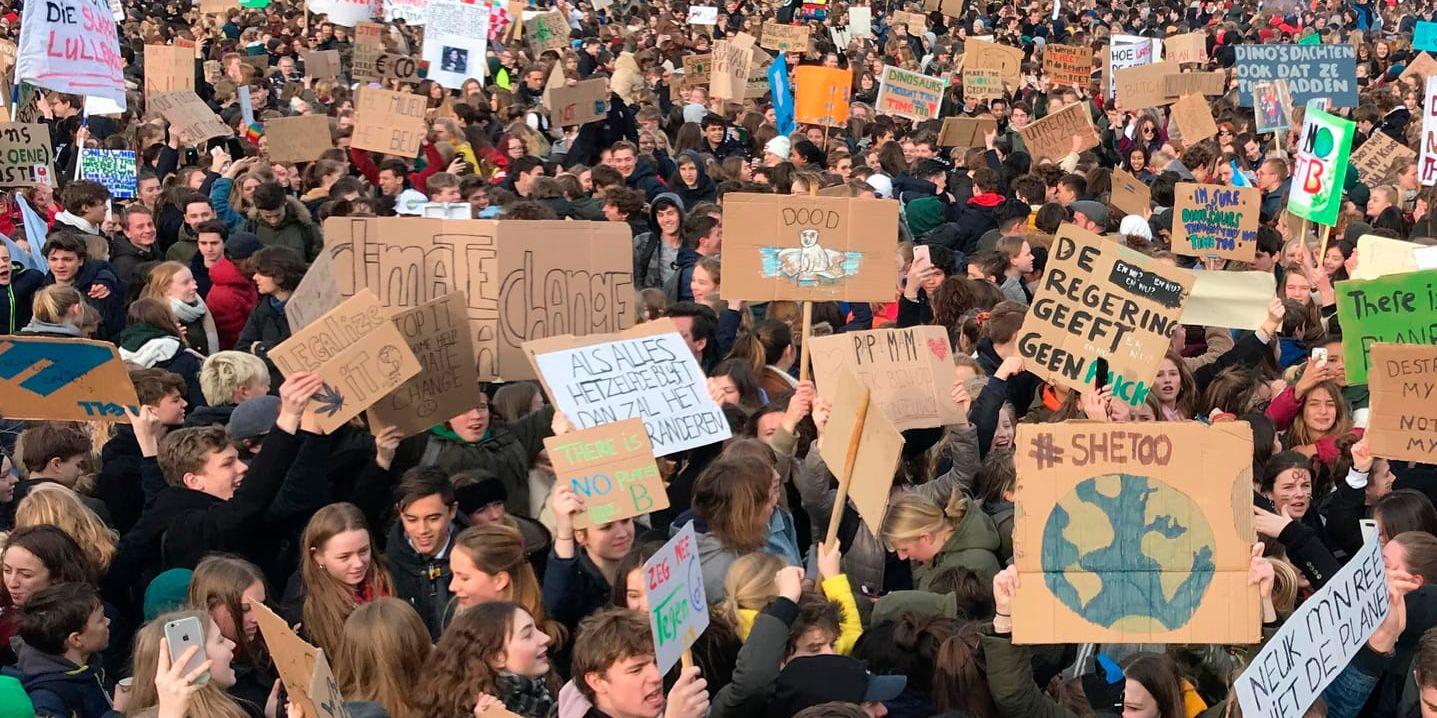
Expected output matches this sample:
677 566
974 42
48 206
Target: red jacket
231 299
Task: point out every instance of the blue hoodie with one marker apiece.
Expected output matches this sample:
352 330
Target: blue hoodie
58 687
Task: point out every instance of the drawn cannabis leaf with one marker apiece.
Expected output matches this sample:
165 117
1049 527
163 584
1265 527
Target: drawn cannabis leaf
330 400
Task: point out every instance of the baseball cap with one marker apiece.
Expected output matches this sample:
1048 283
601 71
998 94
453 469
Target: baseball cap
254 418
1094 211
812 680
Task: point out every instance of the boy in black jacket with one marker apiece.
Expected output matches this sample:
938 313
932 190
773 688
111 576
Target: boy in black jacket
62 627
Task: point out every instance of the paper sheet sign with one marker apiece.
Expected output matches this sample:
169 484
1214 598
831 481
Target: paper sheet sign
1403 381
64 380
1190 47
820 95
611 467
1312 71
438 334
1381 256
1100 299
1395 309
674 587
71 46
910 371
1134 533
859 431
728 78
703 15
303 667
1237 300
1216 221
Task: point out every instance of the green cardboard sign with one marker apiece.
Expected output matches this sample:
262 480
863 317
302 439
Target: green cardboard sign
1320 167
1395 309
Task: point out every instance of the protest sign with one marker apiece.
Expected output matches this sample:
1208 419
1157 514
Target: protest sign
64 380
1237 300
678 605
1124 52
303 667
1273 108
1216 221
412 12
808 248
1396 309
1052 136
384 66
646 372
781 92
1070 65
1319 639
860 21
389 122
346 12
909 94
359 353
1099 299
1424 36
25 154
820 95
1134 533
1193 116
457 36
914 23
115 169
611 467
1130 194
1380 256
1403 381
1207 84
1189 47
862 448
587 101
1142 86
1427 167
703 15
186 110
1320 167
758 73
1007 60
784 38
951 8
1311 71
523 280
982 83
729 77
71 46
1376 157
966 131
697 69
1421 66
169 68
910 371
316 294
448 385
321 64
302 138
216 7
545 31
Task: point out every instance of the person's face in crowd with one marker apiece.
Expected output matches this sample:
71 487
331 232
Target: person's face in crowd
920 549
515 147
830 60
1292 490
635 598
64 265
689 173
471 585
534 80
646 142
265 284
1024 261
1377 203
1224 173
1408 179
426 523
252 595
816 641
96 636
1296 287
1394 557
1252 151
814 135
669 217
506 58
1138 702
526 652
149 191
286 65
632 686
346 556
1264 262
1319 410
843 167
610 541
44 196
725 384
24 574
281 174
390 182
1333 260
768 425
1267 178
8 479
171 409
221 653
471 425
490 513
1137 160
479 199
446 194
908 151
858 112
5 266
1168 382
713 133
272 217
1065 194
221 475
685 326
1292 255
624 161
211 248
197 213
248 187
613 213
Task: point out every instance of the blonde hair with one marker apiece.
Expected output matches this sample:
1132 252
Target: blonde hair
499 548
210 700
54 303
221 580
1284 586
749 584
911 515
382 655
159 280
327 600
61 507
224 372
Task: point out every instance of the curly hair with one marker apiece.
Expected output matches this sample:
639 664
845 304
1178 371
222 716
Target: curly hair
463 661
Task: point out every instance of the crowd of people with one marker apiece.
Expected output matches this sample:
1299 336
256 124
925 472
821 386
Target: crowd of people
443 575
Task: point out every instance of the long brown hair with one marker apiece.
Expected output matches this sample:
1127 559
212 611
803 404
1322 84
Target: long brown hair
462 662
730 496
327 600
499 548
382 656
1301 434
221 580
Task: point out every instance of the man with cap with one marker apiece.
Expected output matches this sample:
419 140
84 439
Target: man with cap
250 422
812 680
1090 215
232 295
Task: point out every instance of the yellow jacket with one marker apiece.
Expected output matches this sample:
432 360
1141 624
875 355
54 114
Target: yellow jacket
835 589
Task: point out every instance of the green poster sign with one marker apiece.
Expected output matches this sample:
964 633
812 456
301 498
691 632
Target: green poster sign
1395 309
1310 39
1320 167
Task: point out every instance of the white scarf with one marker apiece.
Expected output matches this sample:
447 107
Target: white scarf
190 313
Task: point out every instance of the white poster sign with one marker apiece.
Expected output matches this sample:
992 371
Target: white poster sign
346 12
1427 167
703 15
71 46
412 12
455 41
1127 51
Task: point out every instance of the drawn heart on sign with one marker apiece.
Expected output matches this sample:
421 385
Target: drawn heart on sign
939 347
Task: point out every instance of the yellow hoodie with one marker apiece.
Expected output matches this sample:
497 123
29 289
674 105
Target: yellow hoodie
835 589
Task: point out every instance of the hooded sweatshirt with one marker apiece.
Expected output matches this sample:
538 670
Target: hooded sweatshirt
17 297
58 687
974 544
704 190
654 261
295 231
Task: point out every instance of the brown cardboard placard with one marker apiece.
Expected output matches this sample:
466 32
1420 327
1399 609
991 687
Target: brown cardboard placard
1188 47
321 64
965 131
951 8
369 35
316 294
1007 60
1134 533
982 83
26 157
1052 136
1216 221
1208 84
437 333
757 74
784 38
169 68
1099 299
876 456
547 31
356 349
728 80
910 371
1403 381
915 23
584 102
1193 116
697 69
302 138
389 122
808 248
217 7
384 66
612 468
1130 194
1142 86
191 114
303 667
821 94
1070 65
523 280
64 380
1421 66
1376 157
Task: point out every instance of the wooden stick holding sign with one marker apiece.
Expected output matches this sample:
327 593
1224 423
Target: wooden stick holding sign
850 412
803 341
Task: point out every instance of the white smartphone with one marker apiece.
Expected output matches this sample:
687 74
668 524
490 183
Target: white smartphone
1320 355
182 634
922 256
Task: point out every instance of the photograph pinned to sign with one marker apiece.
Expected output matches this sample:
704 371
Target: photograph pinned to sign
677 599
1273 108
612 468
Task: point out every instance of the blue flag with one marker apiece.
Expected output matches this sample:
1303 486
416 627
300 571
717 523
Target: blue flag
782 93
1238 178
35 231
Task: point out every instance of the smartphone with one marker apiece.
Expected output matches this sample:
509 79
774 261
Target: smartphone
1320 355
922 256
1100 375
182 634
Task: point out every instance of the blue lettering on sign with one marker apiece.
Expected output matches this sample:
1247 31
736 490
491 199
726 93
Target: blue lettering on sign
66 363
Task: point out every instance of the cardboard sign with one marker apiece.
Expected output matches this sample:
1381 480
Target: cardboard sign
784 38
951 8
910 371
1427 167
697 69
217 7
1380 256
990 55
1134 533
302 667
1396 309
168 68
1207 84
1376 157
1320 167
523 280
1193 117
456 39
1070 65
808 248
1421 66
1130 194
982 84
1318 640
72 46
389 122
611 467
437 333
545 31
1125 51
1403 381
359 353
321 64
861 434
703 15
316 294
914 22
678 606
1099 299
1237 300
646 372
1216 221
758 77
384 66
909 94
25 155
585 102
966 131
1142 86
297 139
1312 71
729 77
115 169
820 95
1190 47
64 380
191 114
1052 136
